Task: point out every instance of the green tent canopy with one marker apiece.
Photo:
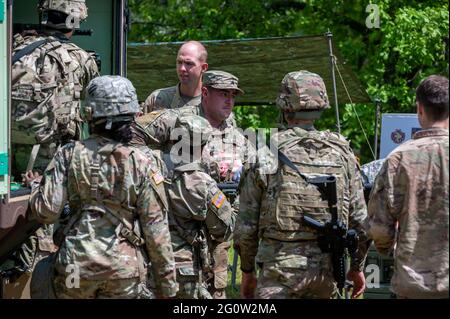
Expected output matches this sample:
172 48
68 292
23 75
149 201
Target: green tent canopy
260 65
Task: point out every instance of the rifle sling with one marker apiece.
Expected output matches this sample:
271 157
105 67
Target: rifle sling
285 160
27 50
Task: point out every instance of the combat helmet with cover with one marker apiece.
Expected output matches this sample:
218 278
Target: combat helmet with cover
303 94
75 11
197 127
110 98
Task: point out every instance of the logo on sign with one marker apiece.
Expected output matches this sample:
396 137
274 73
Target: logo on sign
398 136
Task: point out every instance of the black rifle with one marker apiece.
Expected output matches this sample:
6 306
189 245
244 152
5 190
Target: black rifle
334 238
21 27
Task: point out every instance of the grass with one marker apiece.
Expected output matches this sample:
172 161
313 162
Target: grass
234 293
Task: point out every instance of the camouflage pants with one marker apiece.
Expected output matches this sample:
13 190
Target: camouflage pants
190 288
131 288
219 276
305 275
281 283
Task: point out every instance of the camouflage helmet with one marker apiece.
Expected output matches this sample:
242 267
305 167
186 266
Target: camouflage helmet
303 92
112 97
75 9
197 127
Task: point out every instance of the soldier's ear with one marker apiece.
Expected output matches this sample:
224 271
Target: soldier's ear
204 91
205 67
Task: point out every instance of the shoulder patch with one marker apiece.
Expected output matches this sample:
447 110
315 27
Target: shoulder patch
218 199
157 178
149 117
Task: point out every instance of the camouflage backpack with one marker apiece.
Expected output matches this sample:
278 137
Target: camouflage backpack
45 91
289 197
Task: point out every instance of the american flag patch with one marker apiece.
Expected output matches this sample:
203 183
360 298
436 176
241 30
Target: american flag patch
218 199
158 178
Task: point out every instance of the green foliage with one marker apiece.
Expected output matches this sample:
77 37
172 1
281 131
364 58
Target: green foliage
261 116
156 21
411 47
389 61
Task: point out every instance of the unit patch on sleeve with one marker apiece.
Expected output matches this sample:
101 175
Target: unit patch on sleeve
158 178
218 199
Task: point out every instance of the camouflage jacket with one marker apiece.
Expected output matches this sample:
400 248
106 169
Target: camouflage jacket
269 228
227 151
95 177
197 207
47 86
169 98
408 212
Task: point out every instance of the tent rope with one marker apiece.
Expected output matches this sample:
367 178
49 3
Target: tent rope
353 106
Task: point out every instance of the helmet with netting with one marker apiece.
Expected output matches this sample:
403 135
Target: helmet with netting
112 97
303 92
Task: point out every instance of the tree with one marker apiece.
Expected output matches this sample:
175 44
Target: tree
391 60
163 21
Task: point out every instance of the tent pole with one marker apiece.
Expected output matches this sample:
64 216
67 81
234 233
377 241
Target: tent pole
377 119
329 35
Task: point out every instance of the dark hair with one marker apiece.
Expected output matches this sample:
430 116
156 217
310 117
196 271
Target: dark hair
57 18
432 93
120 131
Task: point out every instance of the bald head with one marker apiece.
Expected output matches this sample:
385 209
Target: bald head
194 48
191 64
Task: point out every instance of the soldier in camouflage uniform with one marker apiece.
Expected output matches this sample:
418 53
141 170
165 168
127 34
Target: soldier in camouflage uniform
191 64
199 211
118 205
225 155
408 206
47 83
273 199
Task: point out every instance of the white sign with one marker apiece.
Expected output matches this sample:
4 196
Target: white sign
395 130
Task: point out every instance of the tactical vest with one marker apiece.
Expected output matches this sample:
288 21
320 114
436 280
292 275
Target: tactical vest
45 91
289 197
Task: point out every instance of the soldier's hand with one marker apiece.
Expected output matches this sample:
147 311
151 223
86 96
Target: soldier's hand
248 285
31 177
359 282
